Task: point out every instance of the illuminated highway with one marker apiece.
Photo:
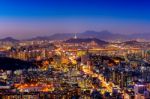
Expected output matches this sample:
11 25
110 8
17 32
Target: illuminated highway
104 84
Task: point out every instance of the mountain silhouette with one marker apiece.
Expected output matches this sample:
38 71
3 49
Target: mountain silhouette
86 40
9 39
14 64
103 35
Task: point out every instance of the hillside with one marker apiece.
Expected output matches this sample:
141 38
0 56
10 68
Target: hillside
14 64
87 40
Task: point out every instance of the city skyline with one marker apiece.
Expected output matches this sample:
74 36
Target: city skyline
74 49
30 18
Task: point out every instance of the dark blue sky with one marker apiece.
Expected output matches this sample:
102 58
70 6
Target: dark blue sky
28 18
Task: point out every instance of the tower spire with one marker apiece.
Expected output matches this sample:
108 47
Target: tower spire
75 36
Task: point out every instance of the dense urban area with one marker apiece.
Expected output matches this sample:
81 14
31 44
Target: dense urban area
76 68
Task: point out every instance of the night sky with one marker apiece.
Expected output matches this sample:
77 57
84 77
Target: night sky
30 18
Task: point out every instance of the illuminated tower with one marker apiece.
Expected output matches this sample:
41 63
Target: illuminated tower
75 36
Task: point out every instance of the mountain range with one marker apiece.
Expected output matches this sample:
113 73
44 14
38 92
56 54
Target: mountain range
9 39
103 35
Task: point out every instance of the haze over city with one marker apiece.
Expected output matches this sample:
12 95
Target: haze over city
30 18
